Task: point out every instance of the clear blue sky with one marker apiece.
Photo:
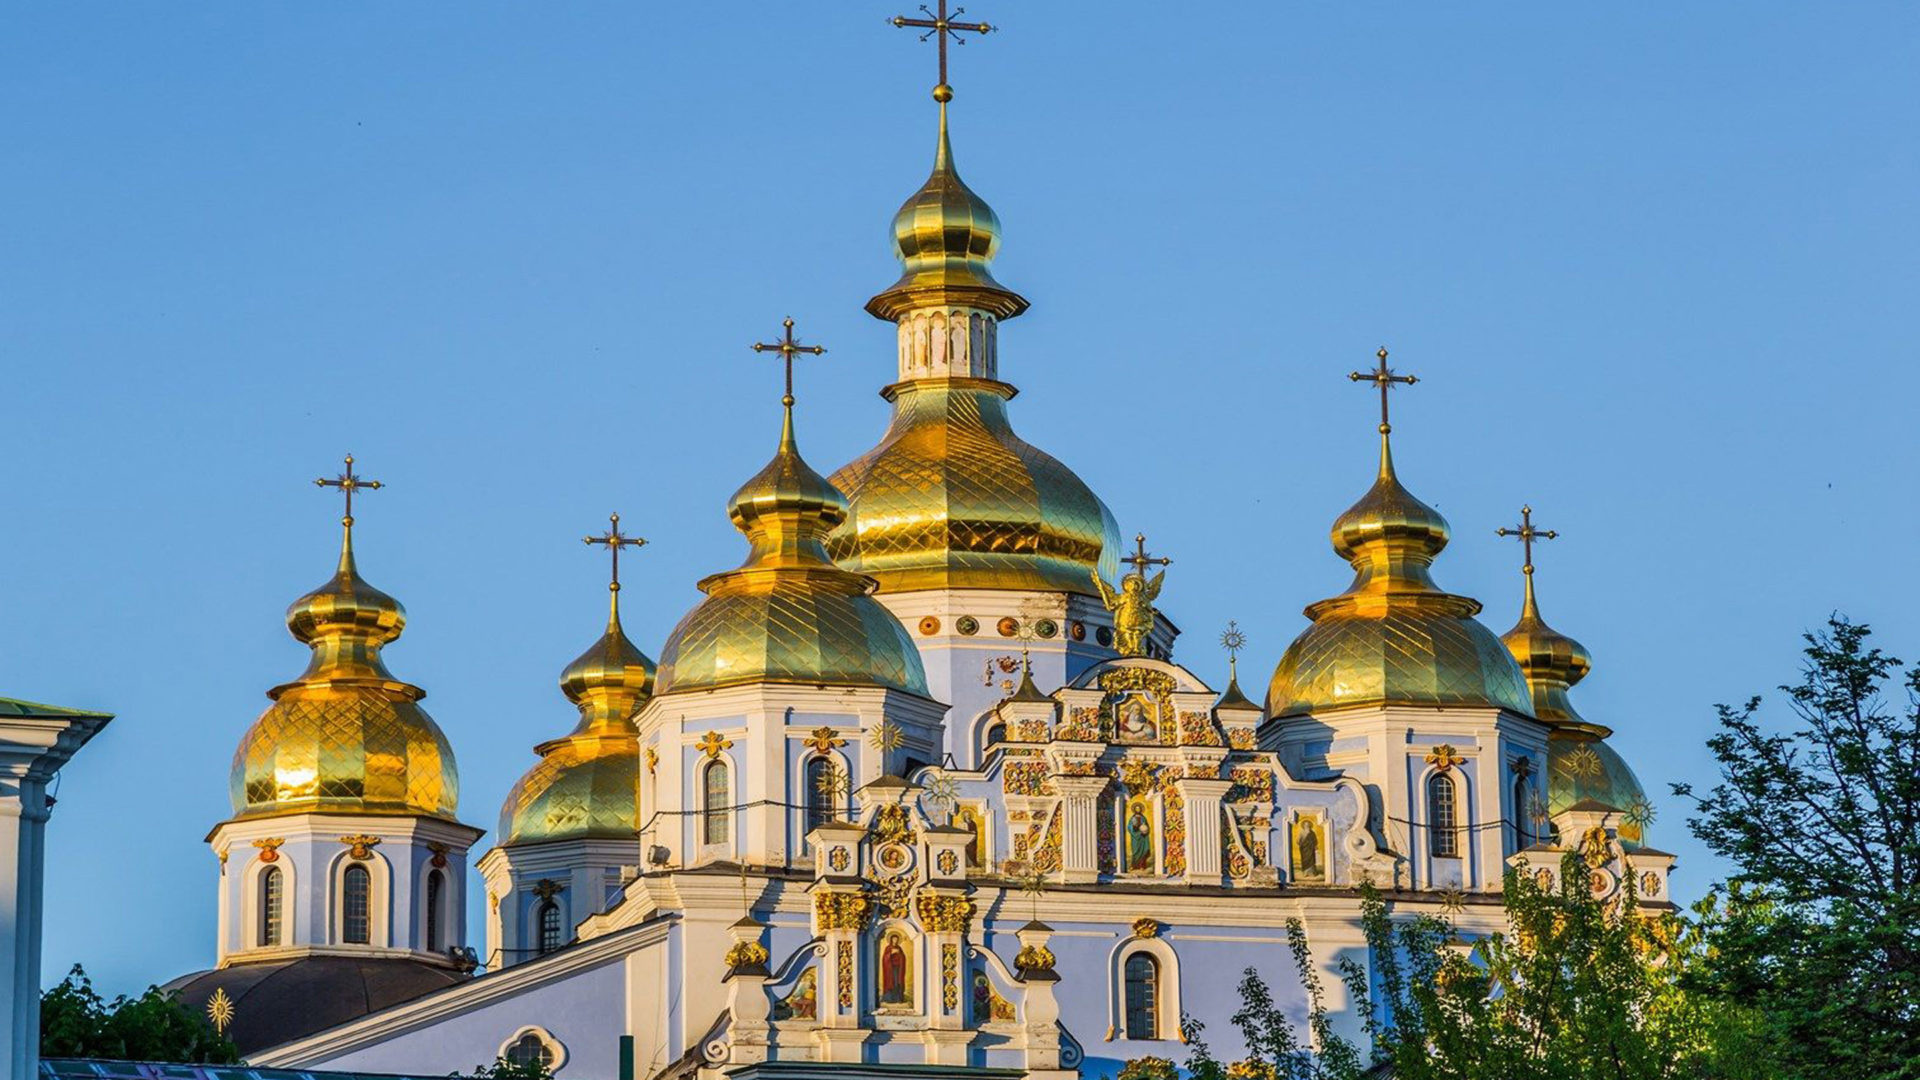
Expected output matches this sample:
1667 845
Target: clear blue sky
1656 266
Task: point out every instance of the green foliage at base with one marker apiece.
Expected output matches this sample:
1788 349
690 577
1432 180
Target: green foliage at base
76 1022
502 1069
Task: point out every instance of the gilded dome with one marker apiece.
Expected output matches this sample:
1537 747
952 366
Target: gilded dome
946 237
585 784
346 736
951 498
1581 766
1551 661
788 614
1393 637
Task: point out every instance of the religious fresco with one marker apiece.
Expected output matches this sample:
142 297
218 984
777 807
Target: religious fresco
1308 847
803 1003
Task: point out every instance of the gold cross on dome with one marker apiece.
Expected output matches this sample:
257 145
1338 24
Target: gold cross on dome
1383 378
615 540
788 346
1140 560
348 483
940 26
1527 535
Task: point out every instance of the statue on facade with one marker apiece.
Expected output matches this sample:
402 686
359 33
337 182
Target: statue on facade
1132 604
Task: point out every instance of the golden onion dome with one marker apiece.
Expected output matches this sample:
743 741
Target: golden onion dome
1582 767
946 237
346 736
1551 661
1393 637
585 784
951 498
788 614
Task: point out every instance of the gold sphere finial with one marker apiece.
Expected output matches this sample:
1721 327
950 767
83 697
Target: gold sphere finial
943 93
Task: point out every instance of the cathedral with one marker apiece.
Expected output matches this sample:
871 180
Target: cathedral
918 783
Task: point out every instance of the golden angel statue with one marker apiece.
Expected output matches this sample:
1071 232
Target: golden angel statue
1132 605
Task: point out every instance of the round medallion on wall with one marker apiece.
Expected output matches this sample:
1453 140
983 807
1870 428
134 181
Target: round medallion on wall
1104 635
1008 626
967 624
930 625
1599 882
1543 877
1078 630
1046 628
894 859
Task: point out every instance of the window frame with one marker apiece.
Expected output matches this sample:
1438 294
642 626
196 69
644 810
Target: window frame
1443 816
356 872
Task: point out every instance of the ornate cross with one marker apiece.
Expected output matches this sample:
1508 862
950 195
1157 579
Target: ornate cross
1527 534
615 540
787 347
1233 639
348 483
1383 378
1140 560
939 25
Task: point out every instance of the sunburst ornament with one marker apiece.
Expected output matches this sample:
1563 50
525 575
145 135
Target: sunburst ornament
1536 809
1453 901
833 784
1640 812
1583 764
220 1010
944 791
886 736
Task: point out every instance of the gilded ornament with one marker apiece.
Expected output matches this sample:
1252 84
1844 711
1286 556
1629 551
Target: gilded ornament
825 739
1443 758
547 888
1034 958
269 849
885 736
1046 628
1640 813
1583 763
892 825
929 625
833 785
1132 605
439 860
944 914
1145 927
1649 884
359 846
1593 847
220 1010
838 859
950 976
967 625
1453 901
947 863
842 910
653 760
1543 877
1137 775
746 954
1008 626
943 791
843 964
1077 631
712 743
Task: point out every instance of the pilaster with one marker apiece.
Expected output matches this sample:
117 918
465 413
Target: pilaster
1202 799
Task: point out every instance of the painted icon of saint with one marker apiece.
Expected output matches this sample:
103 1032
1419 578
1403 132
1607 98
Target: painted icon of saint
1139 838
1306 850
893 973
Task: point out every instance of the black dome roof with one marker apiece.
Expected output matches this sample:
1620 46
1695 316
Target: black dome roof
278 1001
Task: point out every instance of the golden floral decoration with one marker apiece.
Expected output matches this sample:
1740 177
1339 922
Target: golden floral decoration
269 848
842 911
1145 927
1034 958
653 760
825 739
360 846
746 954
712 743
1593 847
945 914
1444 757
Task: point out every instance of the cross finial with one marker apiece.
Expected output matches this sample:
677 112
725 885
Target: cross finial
1233 639
1140 560
614 539
1527 534
348 483
1383 378
939 26
787 347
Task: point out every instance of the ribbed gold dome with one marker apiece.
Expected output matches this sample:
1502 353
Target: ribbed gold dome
1393 637
346 736
953 499
946 237
1551 661
585 785
1581 766
788 614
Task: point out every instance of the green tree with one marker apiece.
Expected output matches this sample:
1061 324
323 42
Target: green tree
76 1022
502 1069
1820 927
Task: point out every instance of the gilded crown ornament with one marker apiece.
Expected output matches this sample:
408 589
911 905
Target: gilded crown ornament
1132 603
360 846
1443 757
825 739
712 743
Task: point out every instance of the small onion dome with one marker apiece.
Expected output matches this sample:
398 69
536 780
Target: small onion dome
346 736
1582 767
584 785
1394 638
1551 661
946 238
951 498
788 614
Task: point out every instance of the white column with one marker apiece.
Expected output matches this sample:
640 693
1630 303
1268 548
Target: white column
32 749
1079 829
1202 799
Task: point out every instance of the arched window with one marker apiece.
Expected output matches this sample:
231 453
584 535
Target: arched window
1442 840
713 802
529 1049
436 884
271 885
821 790
549 918
1143 996
996 734
356 905
1522 807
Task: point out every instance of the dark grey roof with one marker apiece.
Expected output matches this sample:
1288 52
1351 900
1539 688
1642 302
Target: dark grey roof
278 1001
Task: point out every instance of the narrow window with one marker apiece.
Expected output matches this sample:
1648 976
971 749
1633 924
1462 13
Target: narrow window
714 803
270 886
549 927
1442 841
1522 806
356 907
436 883
996 734
1143 996
820 791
